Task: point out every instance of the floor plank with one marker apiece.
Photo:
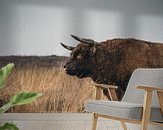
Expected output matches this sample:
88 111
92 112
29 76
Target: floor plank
57 121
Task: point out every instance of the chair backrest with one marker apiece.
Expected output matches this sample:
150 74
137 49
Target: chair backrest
143 77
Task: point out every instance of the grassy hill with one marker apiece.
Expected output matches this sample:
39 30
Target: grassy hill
45 74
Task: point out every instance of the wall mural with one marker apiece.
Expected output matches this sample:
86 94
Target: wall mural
65 82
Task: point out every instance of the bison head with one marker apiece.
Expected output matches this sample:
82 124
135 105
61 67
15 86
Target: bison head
82 58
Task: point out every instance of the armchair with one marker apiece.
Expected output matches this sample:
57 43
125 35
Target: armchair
138 107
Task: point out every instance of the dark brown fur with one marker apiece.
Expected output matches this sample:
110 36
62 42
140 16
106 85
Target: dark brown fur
114 61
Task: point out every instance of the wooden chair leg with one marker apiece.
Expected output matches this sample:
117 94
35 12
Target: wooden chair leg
113 94
124 125
98 93
146 110
94 121
160 98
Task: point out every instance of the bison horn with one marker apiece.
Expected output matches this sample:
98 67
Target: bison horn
84 40
67 47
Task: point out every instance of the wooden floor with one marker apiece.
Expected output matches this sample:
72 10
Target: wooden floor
57 121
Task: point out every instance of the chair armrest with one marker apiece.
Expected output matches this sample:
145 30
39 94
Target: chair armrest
111 89
149 88
104 86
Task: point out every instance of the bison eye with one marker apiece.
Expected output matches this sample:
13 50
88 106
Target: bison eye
79 56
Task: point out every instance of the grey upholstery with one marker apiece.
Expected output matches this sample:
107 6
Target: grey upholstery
143 77
131 105
125 110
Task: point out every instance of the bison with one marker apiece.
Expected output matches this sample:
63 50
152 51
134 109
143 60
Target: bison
112 61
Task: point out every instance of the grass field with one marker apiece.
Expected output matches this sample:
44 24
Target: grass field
61 93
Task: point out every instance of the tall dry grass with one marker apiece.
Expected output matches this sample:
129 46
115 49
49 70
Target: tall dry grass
61 93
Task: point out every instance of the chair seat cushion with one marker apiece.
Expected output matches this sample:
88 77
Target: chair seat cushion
125 110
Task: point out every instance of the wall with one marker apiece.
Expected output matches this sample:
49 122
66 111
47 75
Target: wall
35 27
